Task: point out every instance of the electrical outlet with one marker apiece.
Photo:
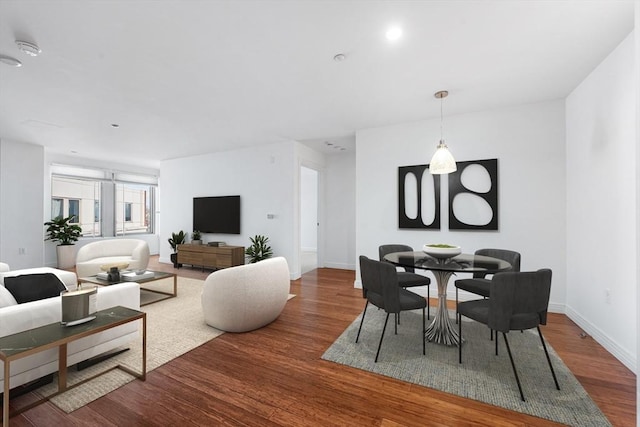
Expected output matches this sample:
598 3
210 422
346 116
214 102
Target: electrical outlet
22 251
607 295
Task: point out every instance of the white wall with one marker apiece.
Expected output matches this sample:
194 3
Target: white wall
308 209
340 207
265 177
528 142
637 73
602 204
21 198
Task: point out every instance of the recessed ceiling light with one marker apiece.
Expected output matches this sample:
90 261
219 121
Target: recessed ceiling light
10 61
339 57
115 125
30 49
394 33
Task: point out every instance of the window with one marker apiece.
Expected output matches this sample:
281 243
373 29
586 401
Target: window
127 212
102 202
133 208
56 208
74 211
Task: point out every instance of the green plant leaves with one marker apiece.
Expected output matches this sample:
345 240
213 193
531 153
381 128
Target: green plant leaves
259 249
176 239
61 230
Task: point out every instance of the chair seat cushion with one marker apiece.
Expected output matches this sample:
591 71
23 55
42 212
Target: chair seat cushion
411 301
477 310
408 280
476 286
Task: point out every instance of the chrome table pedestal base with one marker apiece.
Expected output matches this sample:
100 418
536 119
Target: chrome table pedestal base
442 330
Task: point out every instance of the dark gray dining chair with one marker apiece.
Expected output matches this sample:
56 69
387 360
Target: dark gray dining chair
380 287
519 301
407 278
479 284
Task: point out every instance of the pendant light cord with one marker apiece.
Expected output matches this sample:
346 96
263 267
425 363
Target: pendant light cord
441 134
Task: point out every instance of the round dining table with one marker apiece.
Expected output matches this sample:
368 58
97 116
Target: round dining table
442 330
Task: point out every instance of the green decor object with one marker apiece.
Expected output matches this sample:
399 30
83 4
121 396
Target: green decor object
259 249
196 235
61 230
177 239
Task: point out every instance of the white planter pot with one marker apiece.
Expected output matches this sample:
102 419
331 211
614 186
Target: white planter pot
196 242
66 256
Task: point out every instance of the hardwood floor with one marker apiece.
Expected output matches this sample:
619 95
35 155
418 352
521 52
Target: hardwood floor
274 377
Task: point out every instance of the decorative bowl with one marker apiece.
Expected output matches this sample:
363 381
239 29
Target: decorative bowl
439 250
119 265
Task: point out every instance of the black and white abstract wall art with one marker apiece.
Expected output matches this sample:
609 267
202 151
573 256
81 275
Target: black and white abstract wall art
418 198
473 196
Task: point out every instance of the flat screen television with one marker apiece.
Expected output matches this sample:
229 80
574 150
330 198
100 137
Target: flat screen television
217 214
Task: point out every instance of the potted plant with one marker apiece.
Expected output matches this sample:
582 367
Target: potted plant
259 249
175 240
196 237
61 230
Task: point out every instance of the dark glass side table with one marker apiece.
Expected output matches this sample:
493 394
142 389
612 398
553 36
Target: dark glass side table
32 341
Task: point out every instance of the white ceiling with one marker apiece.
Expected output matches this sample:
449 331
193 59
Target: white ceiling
187 77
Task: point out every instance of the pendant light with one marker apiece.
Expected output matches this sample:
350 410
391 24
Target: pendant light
442 161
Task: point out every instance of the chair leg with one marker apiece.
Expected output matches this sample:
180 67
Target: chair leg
496 341
396 323
513 365
381 336
428 313
548 358
424 331
362 320
459 320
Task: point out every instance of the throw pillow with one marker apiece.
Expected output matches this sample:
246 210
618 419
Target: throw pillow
6 299
33 287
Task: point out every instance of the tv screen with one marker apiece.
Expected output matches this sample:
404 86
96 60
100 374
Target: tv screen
217 214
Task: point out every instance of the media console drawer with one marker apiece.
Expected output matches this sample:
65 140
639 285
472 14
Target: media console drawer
210 256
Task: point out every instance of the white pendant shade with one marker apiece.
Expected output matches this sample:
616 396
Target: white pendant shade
442 161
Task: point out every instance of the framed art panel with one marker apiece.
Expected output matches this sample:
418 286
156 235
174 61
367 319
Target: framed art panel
473 196
418 198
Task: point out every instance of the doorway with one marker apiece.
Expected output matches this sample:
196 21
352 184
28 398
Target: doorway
308 219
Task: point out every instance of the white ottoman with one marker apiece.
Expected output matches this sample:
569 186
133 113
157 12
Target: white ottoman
247 297
67 277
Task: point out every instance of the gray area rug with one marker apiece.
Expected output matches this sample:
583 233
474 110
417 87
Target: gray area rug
174 327
482 375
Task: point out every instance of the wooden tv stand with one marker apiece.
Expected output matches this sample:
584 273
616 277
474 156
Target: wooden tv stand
210 256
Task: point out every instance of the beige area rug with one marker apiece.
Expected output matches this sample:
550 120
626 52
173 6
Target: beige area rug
174 327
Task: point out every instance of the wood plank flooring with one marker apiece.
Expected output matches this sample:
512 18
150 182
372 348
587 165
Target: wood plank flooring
275 377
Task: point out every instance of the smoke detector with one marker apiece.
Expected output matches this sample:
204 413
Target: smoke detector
30 49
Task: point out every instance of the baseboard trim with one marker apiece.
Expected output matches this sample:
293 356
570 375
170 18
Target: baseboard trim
627 358
339 266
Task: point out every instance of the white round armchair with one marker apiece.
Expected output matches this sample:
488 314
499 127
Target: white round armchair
247 297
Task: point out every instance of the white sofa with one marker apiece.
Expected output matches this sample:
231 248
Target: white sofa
246 297
91 256
20 317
